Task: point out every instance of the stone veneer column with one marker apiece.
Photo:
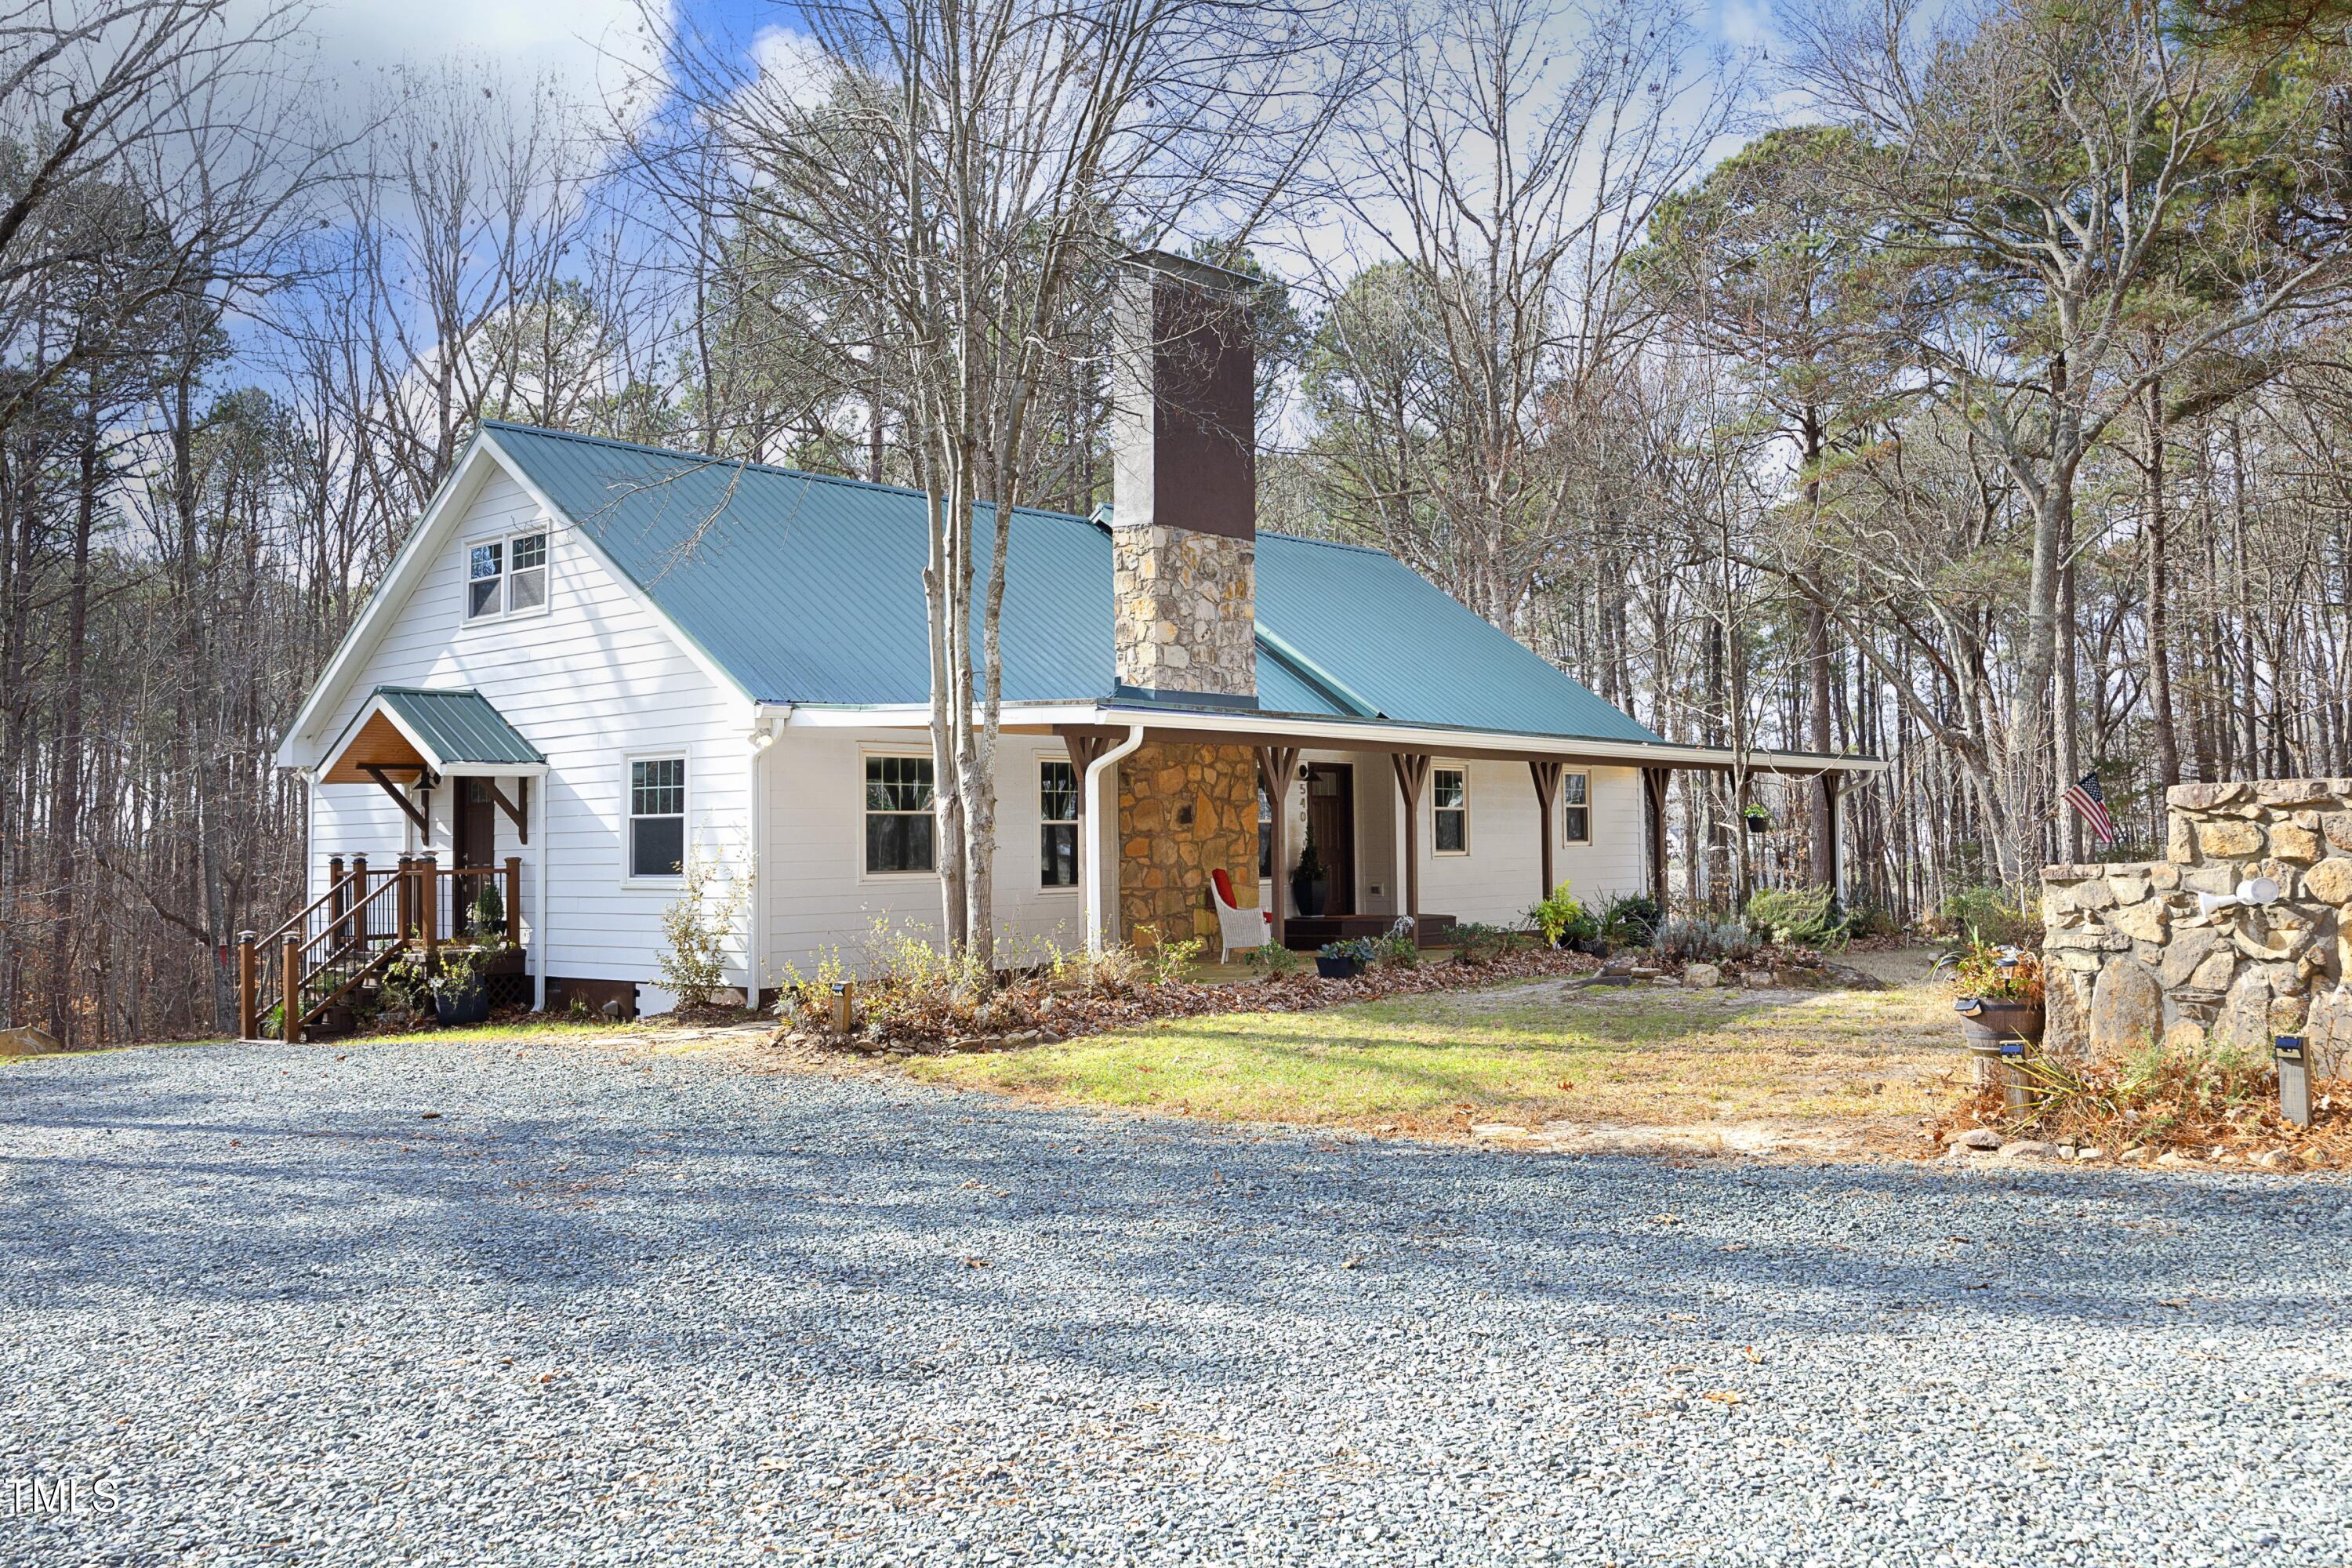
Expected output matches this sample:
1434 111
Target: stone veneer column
1184 809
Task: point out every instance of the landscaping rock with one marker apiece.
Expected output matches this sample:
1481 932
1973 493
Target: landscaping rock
2028 1149
1979 1138
2137 1156
1700 976
1848 978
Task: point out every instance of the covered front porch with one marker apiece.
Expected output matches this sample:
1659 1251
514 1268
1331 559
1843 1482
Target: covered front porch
1432 824
440 756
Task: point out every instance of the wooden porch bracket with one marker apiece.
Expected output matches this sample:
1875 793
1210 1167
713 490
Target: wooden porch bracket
517 809
1411 774
408 809
1548 772
1277 767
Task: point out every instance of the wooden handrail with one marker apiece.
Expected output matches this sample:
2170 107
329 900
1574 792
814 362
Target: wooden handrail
313 907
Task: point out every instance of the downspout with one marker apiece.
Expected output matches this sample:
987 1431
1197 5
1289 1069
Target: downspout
755 914
1096 771
541 950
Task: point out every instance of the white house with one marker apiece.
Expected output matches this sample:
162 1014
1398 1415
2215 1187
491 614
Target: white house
593 660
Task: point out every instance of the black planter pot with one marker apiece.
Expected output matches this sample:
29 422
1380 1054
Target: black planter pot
452 1008
1594 946
1338 968
1309 896
1990 1023
1756 823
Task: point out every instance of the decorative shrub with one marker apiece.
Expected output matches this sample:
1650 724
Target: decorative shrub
1868 920
1398 949
1358 949
1704 942
694 928
1988 914
1560 915
1631 919
489 907
1273 961
1476 944
1795 917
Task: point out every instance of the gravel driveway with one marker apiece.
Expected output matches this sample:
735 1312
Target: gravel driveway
615 1309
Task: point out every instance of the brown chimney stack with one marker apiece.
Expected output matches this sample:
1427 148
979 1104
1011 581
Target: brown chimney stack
1184 481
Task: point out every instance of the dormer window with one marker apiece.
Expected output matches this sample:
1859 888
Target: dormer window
507 577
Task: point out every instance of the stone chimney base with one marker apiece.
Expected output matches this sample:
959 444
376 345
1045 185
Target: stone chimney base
1186 612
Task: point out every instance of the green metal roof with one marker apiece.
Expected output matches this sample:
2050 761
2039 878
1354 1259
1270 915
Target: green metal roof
809 589
456 726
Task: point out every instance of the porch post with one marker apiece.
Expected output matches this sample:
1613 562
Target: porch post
248 1006
1654 792
1548 772
1412 772
290 989
429 888
359 932
1834 851
1276 766
338 899
514 903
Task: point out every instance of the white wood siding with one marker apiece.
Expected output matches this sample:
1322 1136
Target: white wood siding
1496 881
596 679
818 894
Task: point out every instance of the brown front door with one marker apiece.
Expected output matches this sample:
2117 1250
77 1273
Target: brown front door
1331 817
475 841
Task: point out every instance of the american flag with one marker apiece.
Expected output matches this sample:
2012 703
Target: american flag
2086 796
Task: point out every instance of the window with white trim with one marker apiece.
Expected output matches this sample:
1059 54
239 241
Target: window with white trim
507 576
1449 810
899 823
1057 832
1576 808
657 816
485 580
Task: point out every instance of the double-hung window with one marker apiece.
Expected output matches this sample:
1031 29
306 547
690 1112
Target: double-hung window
485 580
657 816
506 577
1057 813
1576 808
899 820
1449 810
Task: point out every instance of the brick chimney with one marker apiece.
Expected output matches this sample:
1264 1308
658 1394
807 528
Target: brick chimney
1184 482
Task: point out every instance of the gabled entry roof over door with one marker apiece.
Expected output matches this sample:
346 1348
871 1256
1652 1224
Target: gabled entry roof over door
413 727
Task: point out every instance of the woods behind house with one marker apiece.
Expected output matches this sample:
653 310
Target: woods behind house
1964 385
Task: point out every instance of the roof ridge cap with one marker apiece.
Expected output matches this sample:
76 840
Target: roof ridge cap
711 460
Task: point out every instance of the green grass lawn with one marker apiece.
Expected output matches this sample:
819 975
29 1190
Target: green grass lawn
1527 1054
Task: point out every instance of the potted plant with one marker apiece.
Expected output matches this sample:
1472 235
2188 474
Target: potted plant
459 995
1310 883
1758 819
2001 999
489 910
1344 960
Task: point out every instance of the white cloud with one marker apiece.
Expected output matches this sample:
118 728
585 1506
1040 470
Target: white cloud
594 46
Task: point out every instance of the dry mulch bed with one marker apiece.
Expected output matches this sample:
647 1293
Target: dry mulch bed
1040 1011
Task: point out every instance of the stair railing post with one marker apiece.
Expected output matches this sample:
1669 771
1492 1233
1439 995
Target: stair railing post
289 964
514 900
248 1006
404 900
339 901
359 913
428 878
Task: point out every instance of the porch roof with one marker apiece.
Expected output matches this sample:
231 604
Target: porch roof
415 728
